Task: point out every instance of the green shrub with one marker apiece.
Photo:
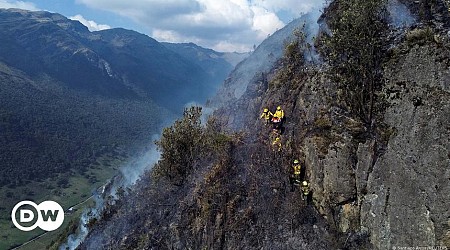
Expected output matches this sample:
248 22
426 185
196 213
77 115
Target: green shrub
187 144
293 59
180 146
420 36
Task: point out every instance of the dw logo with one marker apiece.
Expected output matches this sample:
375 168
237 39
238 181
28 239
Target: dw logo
48 215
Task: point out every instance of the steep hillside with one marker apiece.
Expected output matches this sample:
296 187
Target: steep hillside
211 190
368 122
384 178
262 59
48 129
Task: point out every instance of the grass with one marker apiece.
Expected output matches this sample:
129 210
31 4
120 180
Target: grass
420 36
79 189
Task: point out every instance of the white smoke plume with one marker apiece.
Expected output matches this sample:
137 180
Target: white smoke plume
133 170
129 174
74 240
399 14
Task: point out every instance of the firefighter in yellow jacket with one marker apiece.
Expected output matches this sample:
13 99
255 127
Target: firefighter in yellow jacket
276 144
296 170
279 113
277 118
294 178
266 115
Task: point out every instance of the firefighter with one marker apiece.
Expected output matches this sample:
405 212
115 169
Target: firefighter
294 178
276 144
305 190
266 115
278 118
279 113
296 167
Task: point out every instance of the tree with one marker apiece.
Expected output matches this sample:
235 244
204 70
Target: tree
355 51
180 146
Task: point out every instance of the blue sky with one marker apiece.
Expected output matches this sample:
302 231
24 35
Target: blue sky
223 25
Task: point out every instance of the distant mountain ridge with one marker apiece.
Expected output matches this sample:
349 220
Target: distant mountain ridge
217 64
114 62
68 95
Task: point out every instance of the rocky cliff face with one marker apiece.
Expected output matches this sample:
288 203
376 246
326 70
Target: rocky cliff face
391 187
397 191
407 187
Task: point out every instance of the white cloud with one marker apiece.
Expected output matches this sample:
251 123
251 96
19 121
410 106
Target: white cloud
231 47
265 22
233 25
167 35
294 6
91 25
17 4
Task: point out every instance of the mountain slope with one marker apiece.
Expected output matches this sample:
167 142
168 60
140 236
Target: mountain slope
235 192
47 129
116 62
261 60
68 96
373 143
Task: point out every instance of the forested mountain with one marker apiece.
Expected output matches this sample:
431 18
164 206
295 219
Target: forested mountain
368 122
47 129
68 95
111 63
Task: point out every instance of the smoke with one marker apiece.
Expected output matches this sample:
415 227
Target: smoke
133 170
313 26
312 20
206 111
312 30
108 193
74 240
399 15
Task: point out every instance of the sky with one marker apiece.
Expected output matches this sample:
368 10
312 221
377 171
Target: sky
222 25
